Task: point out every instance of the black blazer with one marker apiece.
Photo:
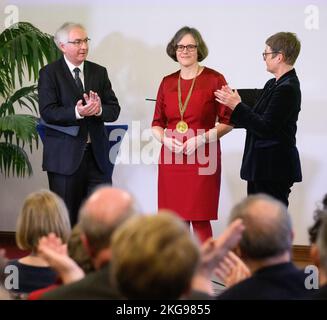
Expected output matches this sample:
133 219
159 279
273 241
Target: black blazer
278 282
94 286
58 95
270 151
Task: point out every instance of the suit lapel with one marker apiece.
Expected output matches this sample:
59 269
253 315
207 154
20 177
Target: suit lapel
264 96
88 77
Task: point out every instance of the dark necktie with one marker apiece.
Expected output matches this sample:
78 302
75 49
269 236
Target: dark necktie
78 80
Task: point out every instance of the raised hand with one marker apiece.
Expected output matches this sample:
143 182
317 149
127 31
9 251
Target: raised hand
232 270
228 97
92 107
213 251
51 249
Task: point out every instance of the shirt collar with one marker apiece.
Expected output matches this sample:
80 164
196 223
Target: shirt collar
72 67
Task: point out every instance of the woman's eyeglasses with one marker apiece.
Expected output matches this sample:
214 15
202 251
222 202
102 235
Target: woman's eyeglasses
189 47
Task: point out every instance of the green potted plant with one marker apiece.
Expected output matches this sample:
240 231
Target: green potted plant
24 49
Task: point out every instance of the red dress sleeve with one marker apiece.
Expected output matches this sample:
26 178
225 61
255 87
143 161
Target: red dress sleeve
159 117
224 113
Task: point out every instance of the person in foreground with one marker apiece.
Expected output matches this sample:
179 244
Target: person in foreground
75 99
101 214
265 247
184 122
151 257
155 257
318 249
271 162
43 212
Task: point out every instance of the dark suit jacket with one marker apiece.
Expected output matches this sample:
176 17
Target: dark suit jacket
279 282
58 95
95 285
270 151
320 294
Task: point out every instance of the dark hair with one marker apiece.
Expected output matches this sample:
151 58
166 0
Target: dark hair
287 43
319 216
201 45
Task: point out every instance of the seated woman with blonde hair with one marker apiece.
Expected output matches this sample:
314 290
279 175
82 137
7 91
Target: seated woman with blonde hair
43 212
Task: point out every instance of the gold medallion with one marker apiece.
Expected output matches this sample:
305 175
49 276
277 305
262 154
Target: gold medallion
181 126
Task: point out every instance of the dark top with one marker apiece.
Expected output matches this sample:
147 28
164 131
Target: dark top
95 285
279 282
270 152
320 294
31 278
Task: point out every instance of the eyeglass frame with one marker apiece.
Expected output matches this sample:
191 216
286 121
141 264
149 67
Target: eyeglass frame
265 53
79 42
188 47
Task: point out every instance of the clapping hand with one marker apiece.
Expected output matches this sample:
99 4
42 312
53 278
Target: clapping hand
232 270
92 107
228 97
51 249
213 251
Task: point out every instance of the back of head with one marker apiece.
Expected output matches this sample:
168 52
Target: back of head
322 244
77 251
268 228
319 215
43 212
153 257
102 213
287 43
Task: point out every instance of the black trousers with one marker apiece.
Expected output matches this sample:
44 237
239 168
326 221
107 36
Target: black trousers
277 189
75 188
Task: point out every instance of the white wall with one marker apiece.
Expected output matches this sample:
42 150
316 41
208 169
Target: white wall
129 38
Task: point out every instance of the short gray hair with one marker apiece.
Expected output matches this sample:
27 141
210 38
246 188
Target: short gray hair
61 35
263 239
322 244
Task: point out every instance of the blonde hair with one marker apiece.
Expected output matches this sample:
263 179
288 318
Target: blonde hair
43 212
153 257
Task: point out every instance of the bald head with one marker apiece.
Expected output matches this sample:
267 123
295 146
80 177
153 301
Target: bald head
102 213
108 205
268 229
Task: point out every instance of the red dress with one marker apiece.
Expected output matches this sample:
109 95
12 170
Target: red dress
182 187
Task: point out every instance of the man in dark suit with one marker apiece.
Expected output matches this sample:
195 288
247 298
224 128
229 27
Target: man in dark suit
265 247
75 99
271 162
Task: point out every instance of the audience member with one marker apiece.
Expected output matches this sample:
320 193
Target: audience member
4 294
74 249
319 215
265 247
43 212
101 214
155 257
318 239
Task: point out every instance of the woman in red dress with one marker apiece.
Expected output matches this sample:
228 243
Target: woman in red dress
184 122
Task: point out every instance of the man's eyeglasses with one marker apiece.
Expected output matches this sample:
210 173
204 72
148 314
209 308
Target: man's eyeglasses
79 42
264 54
189 47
